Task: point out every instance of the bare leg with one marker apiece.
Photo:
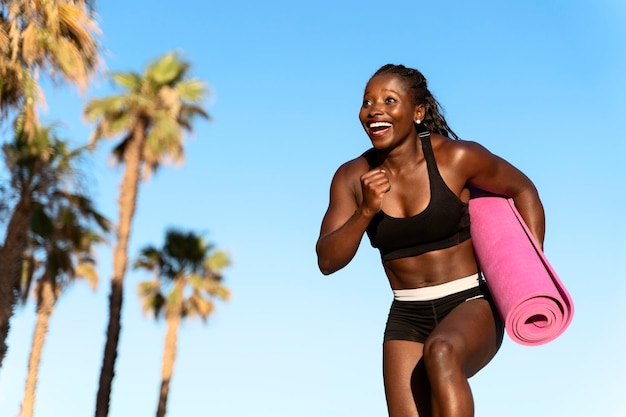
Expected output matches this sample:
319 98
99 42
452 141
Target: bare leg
406 385
431 379
464 342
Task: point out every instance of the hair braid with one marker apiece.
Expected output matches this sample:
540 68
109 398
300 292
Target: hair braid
434 120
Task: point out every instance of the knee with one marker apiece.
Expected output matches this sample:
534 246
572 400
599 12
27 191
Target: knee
441 353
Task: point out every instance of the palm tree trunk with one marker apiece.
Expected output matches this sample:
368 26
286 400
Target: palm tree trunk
127 202
45 307
169 357
11 266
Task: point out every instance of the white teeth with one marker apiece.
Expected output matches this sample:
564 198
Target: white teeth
380 124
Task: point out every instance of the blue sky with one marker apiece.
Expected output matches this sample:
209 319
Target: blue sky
539 83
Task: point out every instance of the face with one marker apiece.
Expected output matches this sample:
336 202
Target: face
388 112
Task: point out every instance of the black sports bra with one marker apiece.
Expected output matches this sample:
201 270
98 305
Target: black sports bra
444 223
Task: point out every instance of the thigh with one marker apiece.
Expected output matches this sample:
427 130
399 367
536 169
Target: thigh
406 385
473 331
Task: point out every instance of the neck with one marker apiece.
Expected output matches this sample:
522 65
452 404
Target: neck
404 156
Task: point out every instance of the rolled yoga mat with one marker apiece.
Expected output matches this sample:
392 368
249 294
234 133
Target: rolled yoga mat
532 300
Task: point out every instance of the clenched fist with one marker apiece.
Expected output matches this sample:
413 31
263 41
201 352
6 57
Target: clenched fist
374 185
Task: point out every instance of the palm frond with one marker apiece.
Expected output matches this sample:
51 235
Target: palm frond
129 80
198 306
217 261
149 259
167 70
192 90
89 272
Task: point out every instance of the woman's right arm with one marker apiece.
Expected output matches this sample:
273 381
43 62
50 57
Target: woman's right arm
346 220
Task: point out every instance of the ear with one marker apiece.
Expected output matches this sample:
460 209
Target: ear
420 113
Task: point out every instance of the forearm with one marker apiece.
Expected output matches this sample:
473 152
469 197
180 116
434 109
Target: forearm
337 248
530 208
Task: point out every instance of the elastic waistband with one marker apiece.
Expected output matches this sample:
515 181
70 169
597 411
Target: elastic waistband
437 291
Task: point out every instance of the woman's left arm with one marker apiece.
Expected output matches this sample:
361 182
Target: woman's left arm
491 173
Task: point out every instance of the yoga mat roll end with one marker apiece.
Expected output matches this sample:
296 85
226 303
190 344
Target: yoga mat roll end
531 299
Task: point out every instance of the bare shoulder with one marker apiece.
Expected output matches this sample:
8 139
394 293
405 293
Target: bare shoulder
458 151
345 188
352 169
456 147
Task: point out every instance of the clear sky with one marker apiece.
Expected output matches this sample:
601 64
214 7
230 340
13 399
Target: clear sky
540 83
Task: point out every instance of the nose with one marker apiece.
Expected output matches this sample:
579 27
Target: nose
375 109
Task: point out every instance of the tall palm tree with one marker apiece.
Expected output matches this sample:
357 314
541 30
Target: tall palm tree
63 236
39 167
187 279
55 36
151 117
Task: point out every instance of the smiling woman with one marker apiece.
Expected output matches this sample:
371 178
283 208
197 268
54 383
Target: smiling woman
410 194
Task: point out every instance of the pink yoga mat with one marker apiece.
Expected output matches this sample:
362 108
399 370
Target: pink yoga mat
532 300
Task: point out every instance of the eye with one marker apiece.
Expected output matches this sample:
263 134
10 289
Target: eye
390 100
366 103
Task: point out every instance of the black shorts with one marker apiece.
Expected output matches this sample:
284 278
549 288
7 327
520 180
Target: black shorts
415 320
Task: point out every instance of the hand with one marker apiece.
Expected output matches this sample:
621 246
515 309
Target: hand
374 185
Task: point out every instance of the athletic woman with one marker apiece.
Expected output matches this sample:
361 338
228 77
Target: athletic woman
409 193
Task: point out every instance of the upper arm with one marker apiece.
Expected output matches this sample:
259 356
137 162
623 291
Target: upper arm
491 173
344 195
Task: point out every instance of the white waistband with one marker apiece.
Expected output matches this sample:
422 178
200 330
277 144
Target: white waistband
437 291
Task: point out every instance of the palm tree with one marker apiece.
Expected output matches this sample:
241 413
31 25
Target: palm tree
39 167
57 36
36 36
151 116
187 278
63 235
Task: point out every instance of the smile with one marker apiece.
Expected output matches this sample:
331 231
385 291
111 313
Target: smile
378 128
377 125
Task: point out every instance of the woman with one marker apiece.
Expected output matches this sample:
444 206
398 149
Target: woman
410 194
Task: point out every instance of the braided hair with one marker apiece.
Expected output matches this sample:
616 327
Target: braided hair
434 121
